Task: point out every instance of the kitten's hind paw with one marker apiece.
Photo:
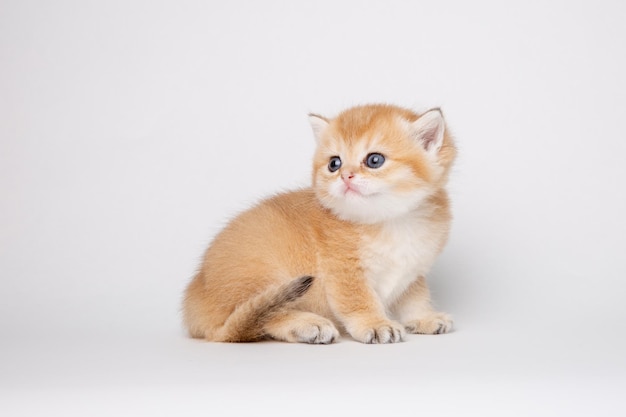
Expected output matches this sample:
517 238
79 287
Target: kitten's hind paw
317 334
435 323
385 332
302 327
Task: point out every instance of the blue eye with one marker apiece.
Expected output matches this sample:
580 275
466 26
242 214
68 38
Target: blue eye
334 164
374 160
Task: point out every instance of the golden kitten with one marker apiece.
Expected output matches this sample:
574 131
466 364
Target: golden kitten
350 253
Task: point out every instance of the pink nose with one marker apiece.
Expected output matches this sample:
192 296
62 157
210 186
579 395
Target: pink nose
347 177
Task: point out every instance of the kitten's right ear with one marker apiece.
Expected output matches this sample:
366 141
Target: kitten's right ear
319 124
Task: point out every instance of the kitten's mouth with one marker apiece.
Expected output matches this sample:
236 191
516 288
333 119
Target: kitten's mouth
351 190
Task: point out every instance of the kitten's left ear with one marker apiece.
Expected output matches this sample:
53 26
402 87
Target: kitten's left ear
319 124
429 130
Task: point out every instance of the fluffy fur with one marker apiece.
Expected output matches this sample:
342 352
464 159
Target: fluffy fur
348 255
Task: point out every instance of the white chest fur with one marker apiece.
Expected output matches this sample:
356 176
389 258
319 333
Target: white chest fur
401 251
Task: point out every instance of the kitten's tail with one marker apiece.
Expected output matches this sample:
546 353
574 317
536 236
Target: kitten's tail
245 324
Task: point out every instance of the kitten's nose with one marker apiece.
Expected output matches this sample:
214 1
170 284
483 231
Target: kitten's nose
347 176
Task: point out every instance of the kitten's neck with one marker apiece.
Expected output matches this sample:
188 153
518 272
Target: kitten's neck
380 210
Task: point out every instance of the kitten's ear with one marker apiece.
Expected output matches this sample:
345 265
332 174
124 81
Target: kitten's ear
429 130
319 124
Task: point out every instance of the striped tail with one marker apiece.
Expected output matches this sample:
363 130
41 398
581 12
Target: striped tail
246 322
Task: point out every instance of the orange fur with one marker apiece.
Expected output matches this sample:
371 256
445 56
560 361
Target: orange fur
367 252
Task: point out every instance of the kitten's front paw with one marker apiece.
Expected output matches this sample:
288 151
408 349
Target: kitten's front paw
383 332
435 323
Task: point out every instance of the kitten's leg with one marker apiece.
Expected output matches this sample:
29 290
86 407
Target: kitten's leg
301 326
357 305
415 311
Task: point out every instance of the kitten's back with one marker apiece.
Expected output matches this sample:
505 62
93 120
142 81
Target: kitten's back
252 266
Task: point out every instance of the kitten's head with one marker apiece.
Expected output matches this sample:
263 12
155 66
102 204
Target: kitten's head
377 162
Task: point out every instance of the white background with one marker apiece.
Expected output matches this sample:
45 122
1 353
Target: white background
131 131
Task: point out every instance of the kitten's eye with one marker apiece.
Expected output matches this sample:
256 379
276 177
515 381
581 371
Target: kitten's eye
334 164
374 160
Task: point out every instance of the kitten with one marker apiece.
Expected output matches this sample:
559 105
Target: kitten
350 253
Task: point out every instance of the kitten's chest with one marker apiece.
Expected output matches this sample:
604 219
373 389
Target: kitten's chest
398 253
